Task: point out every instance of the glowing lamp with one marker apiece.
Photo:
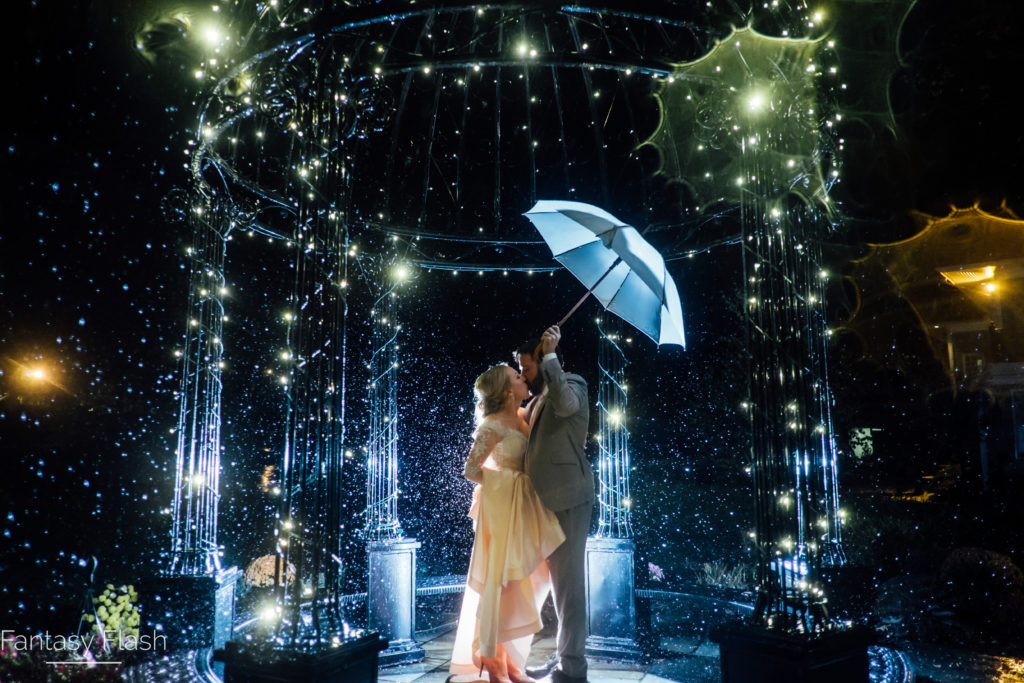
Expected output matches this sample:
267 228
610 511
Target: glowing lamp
756 103
966 276
212 35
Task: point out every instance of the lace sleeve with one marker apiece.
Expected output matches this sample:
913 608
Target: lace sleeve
486 438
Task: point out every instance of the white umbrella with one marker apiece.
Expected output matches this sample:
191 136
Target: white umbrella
617 265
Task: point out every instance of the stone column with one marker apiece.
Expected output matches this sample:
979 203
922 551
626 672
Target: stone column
391 591
611 604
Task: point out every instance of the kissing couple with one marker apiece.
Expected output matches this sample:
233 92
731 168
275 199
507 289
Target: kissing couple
531 512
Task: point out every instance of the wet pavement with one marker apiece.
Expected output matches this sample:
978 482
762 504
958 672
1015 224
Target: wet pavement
699 665
685 660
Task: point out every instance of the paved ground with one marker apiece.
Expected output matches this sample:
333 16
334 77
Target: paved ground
699 665
686 661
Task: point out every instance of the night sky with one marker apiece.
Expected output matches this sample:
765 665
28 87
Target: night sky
93 278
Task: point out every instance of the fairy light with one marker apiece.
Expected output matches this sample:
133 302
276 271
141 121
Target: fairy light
739 90
212 33
309 182
614 500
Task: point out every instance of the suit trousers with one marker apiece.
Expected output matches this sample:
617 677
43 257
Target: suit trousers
567 566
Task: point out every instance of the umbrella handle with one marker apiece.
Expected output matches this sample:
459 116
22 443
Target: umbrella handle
573 309
538 352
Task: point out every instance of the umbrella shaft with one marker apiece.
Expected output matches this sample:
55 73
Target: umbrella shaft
589 291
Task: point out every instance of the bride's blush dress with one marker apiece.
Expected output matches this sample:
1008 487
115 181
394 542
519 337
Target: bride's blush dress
508 579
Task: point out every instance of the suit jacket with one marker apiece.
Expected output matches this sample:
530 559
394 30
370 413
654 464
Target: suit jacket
555 461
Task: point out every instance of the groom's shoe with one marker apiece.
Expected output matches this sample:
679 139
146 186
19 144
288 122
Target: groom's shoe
544 669
559 676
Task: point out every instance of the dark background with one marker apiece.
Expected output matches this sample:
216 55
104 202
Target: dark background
93 279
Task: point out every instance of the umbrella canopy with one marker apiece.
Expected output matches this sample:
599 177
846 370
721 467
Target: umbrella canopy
612 259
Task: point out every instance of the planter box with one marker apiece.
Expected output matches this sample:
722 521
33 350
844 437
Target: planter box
193 612
354 660
752 653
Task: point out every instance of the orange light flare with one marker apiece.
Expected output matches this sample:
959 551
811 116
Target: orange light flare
36 377
36 374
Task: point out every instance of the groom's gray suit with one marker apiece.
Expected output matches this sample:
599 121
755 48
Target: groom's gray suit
564 482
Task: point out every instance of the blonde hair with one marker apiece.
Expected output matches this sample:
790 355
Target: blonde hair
490 389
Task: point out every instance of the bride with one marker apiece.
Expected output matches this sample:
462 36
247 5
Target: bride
508 579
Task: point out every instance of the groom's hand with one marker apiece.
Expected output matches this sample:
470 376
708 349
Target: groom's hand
549 340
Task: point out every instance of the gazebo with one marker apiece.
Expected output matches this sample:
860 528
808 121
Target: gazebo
374 141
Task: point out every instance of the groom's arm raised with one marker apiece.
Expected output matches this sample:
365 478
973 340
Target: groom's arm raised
566 395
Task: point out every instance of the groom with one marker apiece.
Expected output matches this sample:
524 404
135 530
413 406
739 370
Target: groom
558 414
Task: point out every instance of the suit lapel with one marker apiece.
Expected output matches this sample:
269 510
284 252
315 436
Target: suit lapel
533 413
538 408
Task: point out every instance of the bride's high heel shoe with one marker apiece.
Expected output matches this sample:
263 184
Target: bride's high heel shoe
515 674
496 669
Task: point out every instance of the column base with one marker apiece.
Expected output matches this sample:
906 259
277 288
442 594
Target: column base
224 618
401 652
617 649
611 600
391 598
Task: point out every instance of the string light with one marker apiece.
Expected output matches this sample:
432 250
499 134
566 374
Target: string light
312 169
